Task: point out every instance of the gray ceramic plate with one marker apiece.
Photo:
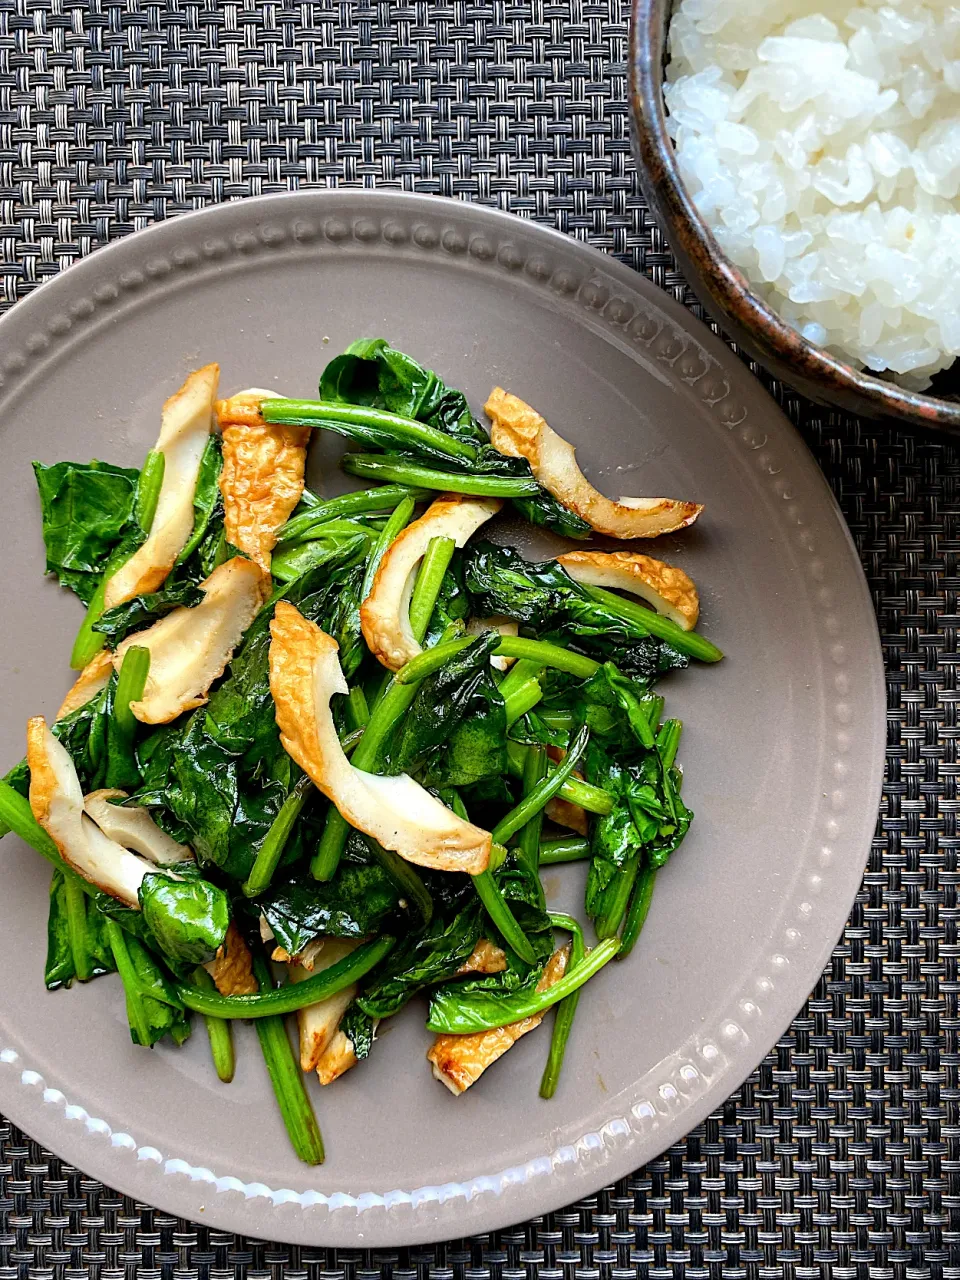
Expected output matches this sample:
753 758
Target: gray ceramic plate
783 748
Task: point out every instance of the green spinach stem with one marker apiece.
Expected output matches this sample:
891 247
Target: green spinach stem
521 699
136 1015
386 712
495 904
616 898
543 792
638 910
275 841
148 489
304 526
547 655
528 835
399 519
399 470
654 624
78 928
283 1067
219 1032
498 909
358 713
368 425
566 1009
585 794
539 651
89 642
563 849
433 568
131 683
668 740
294 996
520 672
654 705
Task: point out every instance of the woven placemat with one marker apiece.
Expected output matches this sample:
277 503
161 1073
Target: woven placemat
839 1156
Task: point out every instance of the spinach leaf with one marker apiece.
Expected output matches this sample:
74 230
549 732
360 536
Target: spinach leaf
359 1028
517 976
546 598
81 951
455 728
372 373
338 612
188 918
19 778
351 905
153 1007
424 959
547 511
223 774
618 708
500 581
88 512
614 837
142 611
648 819
522 889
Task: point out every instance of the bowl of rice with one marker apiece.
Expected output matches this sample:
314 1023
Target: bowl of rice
803 157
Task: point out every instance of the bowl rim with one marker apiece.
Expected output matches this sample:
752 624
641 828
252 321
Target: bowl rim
773 340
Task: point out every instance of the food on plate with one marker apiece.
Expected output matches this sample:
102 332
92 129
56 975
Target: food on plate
190 647
184 435
459 1061
400 814
664 587
821 145
385 613
306 769
262 477
520 432
94 677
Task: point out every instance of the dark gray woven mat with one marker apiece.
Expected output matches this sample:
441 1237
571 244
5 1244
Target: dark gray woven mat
839 1156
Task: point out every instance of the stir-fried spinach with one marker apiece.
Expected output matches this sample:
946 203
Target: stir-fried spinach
573 731
545 597
435 955
77 943
88 513
142 611
372 373
455 730
223 774
202 545
188 918
352 905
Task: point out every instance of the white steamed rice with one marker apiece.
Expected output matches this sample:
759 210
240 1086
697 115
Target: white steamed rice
821 143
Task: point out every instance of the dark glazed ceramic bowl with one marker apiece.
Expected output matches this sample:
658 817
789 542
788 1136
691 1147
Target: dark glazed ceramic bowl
721 286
